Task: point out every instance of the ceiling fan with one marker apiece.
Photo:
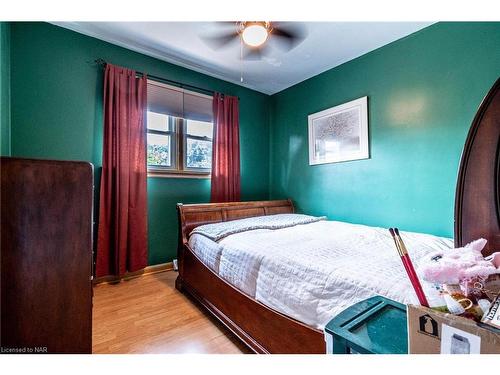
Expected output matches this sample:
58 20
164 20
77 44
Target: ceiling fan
257 38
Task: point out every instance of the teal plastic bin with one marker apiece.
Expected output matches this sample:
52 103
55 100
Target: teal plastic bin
374 326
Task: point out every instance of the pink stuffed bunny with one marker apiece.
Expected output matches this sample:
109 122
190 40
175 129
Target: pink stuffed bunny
456 265
495 259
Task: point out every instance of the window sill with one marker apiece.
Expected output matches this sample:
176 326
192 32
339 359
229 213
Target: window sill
177 174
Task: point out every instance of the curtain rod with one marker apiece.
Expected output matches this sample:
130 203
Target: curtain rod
102 63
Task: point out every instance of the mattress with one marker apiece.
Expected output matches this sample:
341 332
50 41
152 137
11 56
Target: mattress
312 272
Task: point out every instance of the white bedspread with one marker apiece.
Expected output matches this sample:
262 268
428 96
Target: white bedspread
312 272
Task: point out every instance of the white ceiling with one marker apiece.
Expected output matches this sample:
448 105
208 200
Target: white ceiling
328 44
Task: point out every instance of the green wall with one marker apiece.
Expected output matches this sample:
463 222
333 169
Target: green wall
56 94
4 88
423 91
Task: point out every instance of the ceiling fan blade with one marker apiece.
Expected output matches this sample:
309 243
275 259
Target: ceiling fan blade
227 24
252 54
220 40
256 53
287 35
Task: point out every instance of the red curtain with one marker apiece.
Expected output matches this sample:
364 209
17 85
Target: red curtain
122 234
226 150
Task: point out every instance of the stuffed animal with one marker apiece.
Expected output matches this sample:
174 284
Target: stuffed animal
495 259
457 265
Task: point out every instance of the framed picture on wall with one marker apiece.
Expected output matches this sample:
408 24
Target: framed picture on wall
339 133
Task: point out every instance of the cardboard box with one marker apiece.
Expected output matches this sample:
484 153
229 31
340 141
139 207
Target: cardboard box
433 332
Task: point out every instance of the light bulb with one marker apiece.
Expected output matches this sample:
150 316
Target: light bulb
254 35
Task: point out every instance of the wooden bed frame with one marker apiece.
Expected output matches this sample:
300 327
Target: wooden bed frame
477 209
262 329
265 330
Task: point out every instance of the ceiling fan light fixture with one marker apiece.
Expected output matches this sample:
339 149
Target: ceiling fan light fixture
255 34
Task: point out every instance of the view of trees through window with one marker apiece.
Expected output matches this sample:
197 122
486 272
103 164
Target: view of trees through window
158 155
199 144
159 140
199 154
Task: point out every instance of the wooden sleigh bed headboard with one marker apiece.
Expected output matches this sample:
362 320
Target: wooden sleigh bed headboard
193 215
477 210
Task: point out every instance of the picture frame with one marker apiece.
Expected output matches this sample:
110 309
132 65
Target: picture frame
339 133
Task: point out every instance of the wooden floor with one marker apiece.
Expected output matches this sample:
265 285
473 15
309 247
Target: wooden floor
148 315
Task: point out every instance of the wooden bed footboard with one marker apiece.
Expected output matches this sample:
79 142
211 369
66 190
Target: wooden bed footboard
261 328
477 199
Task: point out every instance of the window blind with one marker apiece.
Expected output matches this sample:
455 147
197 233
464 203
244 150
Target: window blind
178 102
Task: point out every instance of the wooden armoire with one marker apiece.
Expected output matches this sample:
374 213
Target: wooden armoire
46 256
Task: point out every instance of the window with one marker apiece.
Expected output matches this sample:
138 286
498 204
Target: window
179 131
160 136
198 146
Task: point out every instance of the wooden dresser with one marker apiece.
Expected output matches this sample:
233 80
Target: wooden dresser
46 256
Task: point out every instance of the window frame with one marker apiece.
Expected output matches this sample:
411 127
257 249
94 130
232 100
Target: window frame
178 147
